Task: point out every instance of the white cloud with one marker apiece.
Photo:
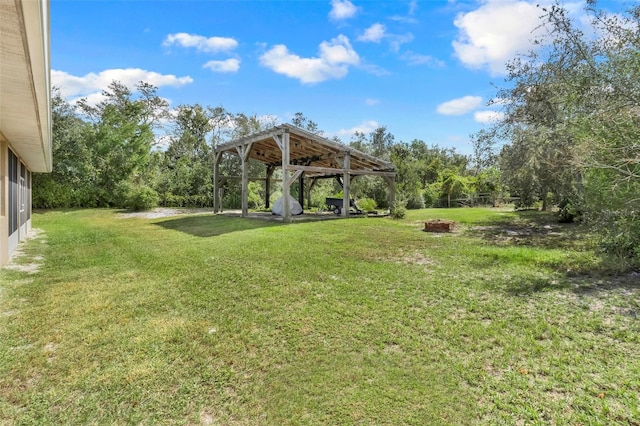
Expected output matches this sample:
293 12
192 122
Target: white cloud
378 32
413 6
92 84
374 69
397 40
364 127
413 58
91 99
374 34
486 117
342 9
492 34
227 66
201 43
335 58
371 102
460 106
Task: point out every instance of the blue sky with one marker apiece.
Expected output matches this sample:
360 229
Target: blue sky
424 69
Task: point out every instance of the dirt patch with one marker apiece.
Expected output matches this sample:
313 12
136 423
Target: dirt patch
163 212
20 261
29 268
405 258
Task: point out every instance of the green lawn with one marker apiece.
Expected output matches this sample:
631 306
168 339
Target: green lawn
208 319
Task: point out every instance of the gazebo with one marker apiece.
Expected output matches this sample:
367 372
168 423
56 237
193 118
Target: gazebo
301 155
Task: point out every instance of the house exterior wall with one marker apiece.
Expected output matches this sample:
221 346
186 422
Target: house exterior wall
4 187
25 114
15 201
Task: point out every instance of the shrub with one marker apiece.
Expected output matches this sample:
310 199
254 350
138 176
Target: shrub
141 197
134 196
619 232
255 197
398 210
47 194
415 201
367 204
569 212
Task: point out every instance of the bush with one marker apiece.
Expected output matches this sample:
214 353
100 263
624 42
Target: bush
255 197
619 232
141 197
569 212
415 201
49 194
135 196
367 204
398 210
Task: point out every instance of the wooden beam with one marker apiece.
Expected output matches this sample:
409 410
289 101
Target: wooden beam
346 181
301 188
251 178
295 176
278 142
267 185
245 187
247 151
391 181
286 210
329 170
244 152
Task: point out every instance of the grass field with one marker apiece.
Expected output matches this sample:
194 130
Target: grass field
203 319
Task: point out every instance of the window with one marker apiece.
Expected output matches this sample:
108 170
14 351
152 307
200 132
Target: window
29 195
23 194
13 192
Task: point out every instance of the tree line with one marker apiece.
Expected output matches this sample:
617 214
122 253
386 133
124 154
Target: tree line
111 155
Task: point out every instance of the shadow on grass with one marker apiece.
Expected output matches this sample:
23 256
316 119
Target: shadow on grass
213 225
627 283
532 229
541 230
531 286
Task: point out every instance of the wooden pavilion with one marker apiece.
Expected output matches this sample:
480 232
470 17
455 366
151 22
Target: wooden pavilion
301 155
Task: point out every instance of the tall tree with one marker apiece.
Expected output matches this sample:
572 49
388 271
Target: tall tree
576 100
187 166
73 174
121 136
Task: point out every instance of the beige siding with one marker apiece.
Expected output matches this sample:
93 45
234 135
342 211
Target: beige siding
4 194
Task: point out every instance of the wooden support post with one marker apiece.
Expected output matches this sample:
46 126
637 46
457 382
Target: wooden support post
391 181
301 190
216 182
346 180
267 185
244 151
286 209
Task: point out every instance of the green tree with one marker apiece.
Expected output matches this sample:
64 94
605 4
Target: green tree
121 137
576 99
301 121
187 168
73 173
